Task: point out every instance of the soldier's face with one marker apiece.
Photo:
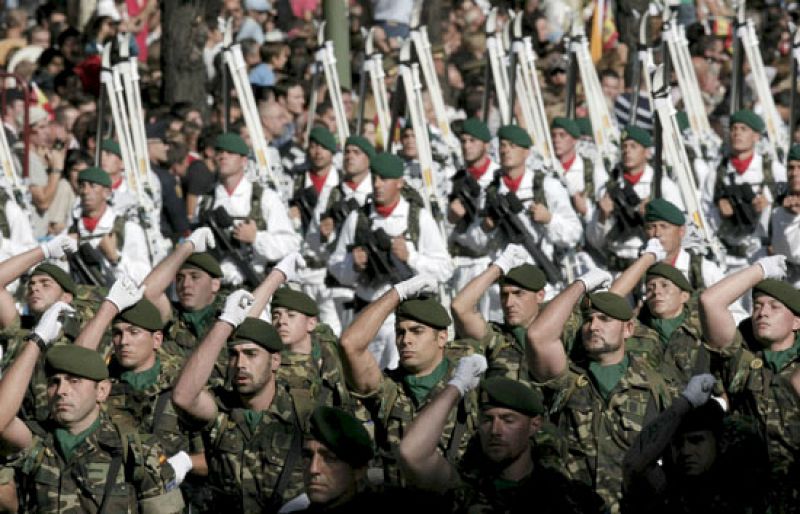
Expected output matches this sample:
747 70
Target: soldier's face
386 191
634 155
664 299
329 480
505 434
42 292
563 142
135 347
793 172
520 306
472 148
421 347
293 327
196 289
252 367
111 163
356 161
511 155
319 156
773 322
743 138
409 142
603 334
694 453
93 196
75 401
229 163
670 235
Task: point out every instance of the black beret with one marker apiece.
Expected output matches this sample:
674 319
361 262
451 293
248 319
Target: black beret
75 360
142 314
671 273
205 262
608 303
526 276
295 300
257 331
781 291
342 434
510 394
59 275
425 310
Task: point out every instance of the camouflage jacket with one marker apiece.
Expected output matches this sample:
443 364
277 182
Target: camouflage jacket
599 432
684 354
392 409
140 482
180 340
149 411
255 470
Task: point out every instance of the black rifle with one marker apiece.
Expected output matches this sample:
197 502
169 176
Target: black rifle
306 201
378 245
219 221
467 190
503 209
88 266
745 217
340 210
629 219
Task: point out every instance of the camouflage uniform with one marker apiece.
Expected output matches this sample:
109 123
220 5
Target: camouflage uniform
392 408
763 402
79 485
255 470
180 338
600 431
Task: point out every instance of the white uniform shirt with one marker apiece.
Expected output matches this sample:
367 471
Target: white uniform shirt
314 249
20 238
474 238
574 179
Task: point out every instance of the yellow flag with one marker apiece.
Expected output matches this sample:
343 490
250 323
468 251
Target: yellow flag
596 39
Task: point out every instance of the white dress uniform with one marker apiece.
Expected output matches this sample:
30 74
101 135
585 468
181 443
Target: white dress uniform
785 240
123 198
20 237
574 179
711 274
429 256
597 231
270 245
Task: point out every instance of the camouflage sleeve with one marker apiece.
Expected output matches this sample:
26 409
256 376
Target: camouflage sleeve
491 340
734 364
558 390
157 489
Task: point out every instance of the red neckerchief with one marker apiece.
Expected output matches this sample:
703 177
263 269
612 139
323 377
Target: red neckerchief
675 259
478 171
633 179
115 185
741 165
513 183
568 164
351 184
91 223
386 210
318 181
230 190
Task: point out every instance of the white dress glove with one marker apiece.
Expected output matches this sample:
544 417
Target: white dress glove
595 279
182 464
468 373
514 255
237 305
655 247
290 265
415 286
59 246
125 293
49 325
202 239
774 266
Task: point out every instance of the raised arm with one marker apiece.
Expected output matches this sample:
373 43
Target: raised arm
468 321
124 293
719 327
189 394
284 271
624 284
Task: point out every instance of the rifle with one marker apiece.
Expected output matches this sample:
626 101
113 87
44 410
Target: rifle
340 210
220 222
306 201
741 198
630 222
793 105
504 210
378 245
467 190
81 263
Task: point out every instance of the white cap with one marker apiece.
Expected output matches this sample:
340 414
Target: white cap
107 8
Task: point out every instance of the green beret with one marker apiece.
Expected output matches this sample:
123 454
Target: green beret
749 118
258 331
342 434
111 146
386 165
637 134
295 300
526 276
477 129
794 153
94 175
233 143
671 273
567 124
323 137
608 303
361 143
510 394
781 291
425 310
61 277
659 209
515 134
683 120
75 360
585 126
142 314
204 261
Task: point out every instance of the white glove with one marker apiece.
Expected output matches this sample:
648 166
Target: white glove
182 464
595 279
236 307
49 325
290 265
57 247
468 373
125 293
655 247
514 255
699 389
416 285
202 239
774 266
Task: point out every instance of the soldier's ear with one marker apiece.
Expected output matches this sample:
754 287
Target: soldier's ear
685 297
796 324
275 360
158 339
536 425
311 323
540 296
103 388
215 285
627 329
66 297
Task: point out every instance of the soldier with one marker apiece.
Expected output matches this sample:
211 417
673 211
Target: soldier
394 233
601 404
617 228
123 199
412 170
16 232
78 460
547 216
120 244
739 195
785 223
395 397
261 225
468 245
501 472
254 461
521 295
757 381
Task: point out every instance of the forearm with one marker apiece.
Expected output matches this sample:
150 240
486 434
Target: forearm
629 279
15 381
198 368
12 268
468 321
717 321
363 373
92 333
264 292
546 356
158 280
